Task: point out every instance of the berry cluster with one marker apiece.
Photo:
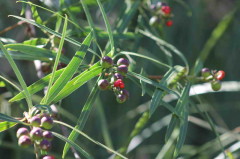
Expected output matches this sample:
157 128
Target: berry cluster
41 138
162 12
114 80
214 77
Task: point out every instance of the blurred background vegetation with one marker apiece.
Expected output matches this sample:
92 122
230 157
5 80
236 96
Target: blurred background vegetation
194 22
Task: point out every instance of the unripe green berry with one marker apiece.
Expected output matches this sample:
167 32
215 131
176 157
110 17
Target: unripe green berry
36 133
22 131
47 122
35 121
205 72
216 85
103 84
24 141
106 62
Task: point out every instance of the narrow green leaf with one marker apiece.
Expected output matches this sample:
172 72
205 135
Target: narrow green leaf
6 125
34 51
9 82
37 42
37 86
83 117
52 32
145 57
35 15
50 87
108 26
73 144
151 82
18 74
8 118
90 139
82 79
70 70
181 104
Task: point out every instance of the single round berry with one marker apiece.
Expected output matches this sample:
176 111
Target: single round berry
24 141
125 92
216 85
118 76
48 157
22 131
47 122
45 145
122 69
121 98
47 135
106 62
35 121
169 23
36 133
103 84
220 75
166 9
123 61
118 83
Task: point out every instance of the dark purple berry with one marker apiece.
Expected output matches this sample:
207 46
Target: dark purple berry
47 122
24 141
123 61
106 62
45 145
118 76
103 84
125 92
22 131
48 157
122 69
35 121
47 135
36 133
216 85
121 98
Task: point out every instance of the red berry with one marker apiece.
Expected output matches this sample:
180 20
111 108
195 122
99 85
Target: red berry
166 9
118 83
169 23
121 85
220 75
